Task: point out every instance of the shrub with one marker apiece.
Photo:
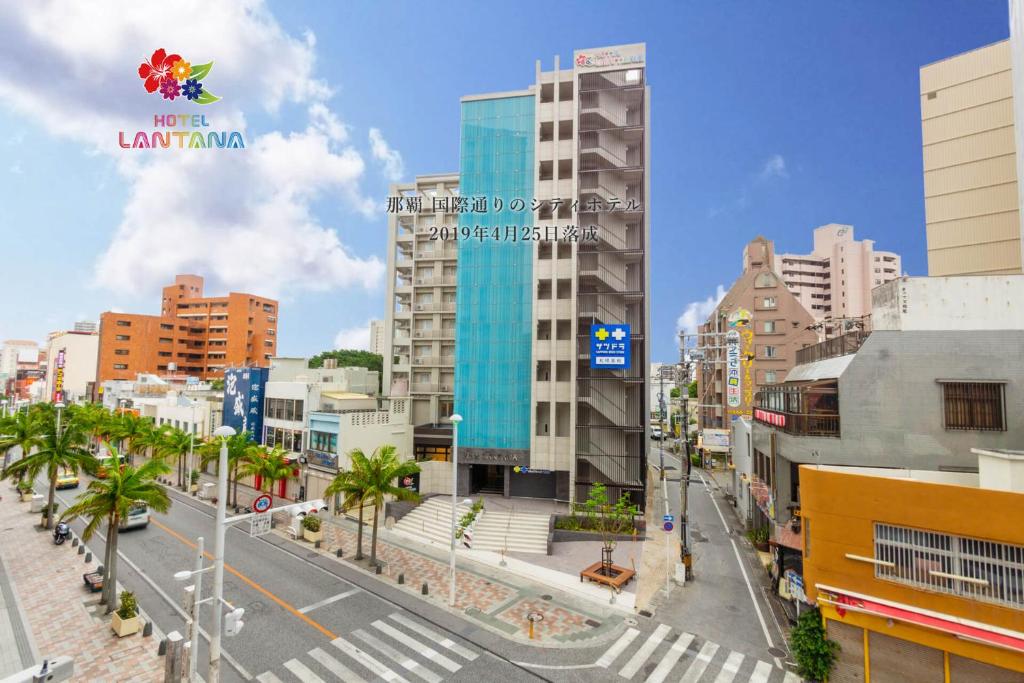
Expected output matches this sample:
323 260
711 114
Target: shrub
758 536
129 605
815 654
311 522
571 523
194 477
25 486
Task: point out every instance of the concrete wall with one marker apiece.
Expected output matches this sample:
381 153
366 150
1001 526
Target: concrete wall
742 459
984 302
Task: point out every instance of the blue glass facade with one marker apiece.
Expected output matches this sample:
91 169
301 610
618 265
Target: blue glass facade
493 326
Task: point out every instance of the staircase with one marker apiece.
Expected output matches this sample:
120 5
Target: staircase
495 530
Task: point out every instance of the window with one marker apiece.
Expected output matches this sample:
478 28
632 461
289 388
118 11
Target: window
974 405
769 302
120 366
769 377
765 279
124 323
958 565
165 340
770 352
166 326
283 409
769 326
122 337
120 352
323 441
806 524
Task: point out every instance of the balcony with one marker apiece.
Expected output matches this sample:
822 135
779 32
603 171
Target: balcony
435 307
434 334
433 360
431 388
842 345
800 410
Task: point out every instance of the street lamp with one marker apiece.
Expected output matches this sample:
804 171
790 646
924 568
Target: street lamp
191 448
59 405
456 419
197 594
224 432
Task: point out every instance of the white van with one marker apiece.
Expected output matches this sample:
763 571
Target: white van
138 516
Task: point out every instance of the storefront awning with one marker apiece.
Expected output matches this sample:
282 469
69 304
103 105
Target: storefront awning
830 368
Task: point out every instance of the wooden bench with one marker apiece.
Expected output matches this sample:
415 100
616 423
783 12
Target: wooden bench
93 581
595 572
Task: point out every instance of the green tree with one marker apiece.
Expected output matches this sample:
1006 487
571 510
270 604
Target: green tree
380 479
352 358
351 486
175 444
675 393
133 433
271 466
21 430
692 389
109 500
63 449
815 654
241 449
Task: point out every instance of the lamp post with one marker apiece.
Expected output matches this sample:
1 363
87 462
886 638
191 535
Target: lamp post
59 405
191 448
197 594
224 432
456 419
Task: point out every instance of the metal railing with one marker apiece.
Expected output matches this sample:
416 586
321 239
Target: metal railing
832 348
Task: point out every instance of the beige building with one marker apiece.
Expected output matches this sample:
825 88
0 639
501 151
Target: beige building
749 340
835 280
71 365
970 164
377 337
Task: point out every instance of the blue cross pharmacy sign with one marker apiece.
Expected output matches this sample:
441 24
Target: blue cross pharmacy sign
609 347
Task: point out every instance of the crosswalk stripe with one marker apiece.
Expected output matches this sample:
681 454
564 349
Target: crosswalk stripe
730 668
428 652
615 650
671 657
792 678
761 673
641 655
268 677
335 667
444 642
407 663
302 671
700 663
366 660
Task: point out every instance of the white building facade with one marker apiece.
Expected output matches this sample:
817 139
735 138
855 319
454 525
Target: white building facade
71 364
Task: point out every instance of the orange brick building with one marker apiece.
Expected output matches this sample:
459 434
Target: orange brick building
193 335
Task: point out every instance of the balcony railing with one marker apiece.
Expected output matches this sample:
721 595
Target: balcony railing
800 424
832 348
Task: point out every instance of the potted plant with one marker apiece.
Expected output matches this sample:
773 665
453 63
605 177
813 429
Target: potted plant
194 481
311 530
126 619
25 489
759 537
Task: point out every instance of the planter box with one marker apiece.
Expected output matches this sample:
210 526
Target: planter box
313 536
124 627
26 497
193 488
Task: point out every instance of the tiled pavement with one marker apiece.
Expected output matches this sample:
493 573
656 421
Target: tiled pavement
63 618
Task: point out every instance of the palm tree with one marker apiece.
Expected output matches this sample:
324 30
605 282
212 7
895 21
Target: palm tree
271 466
241 449
175 443
21 430
63 450
131 431
350 485
110 500
386 469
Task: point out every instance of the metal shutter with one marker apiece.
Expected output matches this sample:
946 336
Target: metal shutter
849 666
964 670
902 661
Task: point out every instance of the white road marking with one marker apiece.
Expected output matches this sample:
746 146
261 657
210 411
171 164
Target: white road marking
448 643
407 663
746 579
792 678
615 650
671 657
366 660
302 671
761 673
327 601
700 663
267 677
413 644
641 655
730 668
335 667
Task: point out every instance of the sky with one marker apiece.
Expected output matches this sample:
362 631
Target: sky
767 118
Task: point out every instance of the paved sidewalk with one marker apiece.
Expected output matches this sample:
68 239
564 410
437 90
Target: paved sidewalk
61 617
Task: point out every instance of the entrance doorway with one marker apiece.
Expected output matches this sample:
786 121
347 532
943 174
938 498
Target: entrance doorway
487 479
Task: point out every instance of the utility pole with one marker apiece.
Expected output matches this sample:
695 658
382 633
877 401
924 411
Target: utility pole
684 480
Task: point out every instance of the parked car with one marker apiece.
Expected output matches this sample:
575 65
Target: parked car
656 433
138 517
67 479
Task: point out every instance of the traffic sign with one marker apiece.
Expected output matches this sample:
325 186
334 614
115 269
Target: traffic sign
261 523
668 518
667 526
262 503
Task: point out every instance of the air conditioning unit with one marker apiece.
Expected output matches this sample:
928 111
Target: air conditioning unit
419 307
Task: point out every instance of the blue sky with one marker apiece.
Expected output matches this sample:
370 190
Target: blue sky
767 118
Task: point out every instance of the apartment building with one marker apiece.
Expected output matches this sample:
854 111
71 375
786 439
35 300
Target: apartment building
419 329
377 337
750 340
918 574
71 365
970 163
835 280
194 334
498 328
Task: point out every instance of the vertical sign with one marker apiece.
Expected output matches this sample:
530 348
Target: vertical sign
58 377
609 347
732 364
243 400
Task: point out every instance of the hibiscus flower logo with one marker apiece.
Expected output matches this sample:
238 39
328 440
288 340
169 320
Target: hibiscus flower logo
173 77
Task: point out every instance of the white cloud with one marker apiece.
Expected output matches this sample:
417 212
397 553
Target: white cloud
243 218
697 312
774 167
390 159
354 338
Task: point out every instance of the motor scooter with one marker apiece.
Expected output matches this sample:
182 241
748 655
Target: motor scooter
61 533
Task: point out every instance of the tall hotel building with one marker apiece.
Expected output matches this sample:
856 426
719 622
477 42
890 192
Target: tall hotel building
498 330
